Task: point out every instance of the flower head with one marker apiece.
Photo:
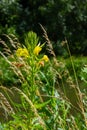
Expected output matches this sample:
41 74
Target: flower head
22 52
37 49
45 58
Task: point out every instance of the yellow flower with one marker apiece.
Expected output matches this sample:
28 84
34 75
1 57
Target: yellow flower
22 52
45 58
37 49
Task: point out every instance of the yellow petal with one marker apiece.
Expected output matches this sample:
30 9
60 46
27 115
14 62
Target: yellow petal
45 58
22 52
37 50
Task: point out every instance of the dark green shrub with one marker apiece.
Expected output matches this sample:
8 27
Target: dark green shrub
7 75
9 16
61 18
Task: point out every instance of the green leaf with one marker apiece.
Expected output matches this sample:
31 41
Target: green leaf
42 104
85 70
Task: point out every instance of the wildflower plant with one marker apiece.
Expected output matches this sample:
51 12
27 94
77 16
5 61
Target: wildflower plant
30 61
26 62
29 57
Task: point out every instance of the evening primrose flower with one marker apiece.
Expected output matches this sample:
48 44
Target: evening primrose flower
37 50
45 58
22 52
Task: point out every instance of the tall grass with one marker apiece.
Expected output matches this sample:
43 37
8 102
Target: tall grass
47 96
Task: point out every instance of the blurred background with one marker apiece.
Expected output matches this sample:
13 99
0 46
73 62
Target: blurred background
62 19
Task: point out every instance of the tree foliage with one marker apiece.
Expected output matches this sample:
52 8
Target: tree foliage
61 18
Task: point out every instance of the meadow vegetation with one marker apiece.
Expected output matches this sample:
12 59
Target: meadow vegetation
40 91
43 80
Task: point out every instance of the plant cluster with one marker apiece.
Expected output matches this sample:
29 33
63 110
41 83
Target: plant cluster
45 96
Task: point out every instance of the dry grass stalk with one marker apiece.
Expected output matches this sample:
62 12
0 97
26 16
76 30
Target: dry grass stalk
50 47
79 100
13 41
41 121
5 104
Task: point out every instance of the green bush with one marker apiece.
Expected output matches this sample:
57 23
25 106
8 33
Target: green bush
9 16
78 63
7 75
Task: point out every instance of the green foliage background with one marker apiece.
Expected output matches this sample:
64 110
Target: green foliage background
61 18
